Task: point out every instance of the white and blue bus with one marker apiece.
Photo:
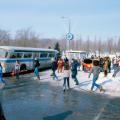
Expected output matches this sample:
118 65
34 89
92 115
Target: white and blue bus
26 56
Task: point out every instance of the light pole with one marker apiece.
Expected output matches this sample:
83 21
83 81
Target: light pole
69 35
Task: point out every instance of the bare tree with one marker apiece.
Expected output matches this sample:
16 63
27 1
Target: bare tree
26 37
110 45
118 45
4 37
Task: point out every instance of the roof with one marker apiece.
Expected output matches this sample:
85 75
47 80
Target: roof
76 51
25 48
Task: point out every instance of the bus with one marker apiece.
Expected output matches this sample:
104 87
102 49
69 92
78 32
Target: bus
26 56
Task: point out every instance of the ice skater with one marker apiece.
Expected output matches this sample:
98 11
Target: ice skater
66 75
17 69
96 71
54 68
36 70
74 66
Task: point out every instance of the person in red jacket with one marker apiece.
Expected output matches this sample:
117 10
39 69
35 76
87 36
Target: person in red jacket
60 65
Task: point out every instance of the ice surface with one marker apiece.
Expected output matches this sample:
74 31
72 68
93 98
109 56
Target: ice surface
110 84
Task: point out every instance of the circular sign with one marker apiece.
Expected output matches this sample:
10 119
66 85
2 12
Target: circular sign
69 36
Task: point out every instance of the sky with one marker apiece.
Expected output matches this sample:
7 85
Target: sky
100 18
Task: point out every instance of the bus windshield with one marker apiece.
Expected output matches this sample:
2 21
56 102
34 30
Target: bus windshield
3 54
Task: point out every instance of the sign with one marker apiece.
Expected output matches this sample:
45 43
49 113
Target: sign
69 36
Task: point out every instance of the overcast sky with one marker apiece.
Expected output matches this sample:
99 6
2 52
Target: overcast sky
99 18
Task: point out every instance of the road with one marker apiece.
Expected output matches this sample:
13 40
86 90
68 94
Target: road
30 99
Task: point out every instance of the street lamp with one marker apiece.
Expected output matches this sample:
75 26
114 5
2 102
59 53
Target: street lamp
69 35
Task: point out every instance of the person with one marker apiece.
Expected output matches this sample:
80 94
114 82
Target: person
116 71
74 66
60 65
66 74
79 63
101 63
17 69
54 68
2 82
109 65
105 67
36 70
2 116
1 74
35 62
96 71
65 59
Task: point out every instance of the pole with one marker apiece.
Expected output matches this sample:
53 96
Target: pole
69 31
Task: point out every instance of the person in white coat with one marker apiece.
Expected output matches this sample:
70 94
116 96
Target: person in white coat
66 75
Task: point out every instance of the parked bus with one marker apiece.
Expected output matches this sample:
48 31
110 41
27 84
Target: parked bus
26 56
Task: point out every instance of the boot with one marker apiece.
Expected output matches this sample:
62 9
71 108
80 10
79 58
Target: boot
101 89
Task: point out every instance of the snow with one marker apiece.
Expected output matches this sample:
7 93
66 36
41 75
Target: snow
110 84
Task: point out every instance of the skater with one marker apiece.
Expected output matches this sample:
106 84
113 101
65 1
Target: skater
36 70
60 65
2 82
109 65
105 67
54 68
96 71
116 71
66 75
74 66
79 63
17 69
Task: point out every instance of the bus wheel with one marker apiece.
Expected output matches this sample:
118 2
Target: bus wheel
23 67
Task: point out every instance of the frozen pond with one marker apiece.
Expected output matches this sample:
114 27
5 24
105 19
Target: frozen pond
45 100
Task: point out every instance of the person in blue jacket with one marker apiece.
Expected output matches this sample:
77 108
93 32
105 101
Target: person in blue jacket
74 67
1 74
36 70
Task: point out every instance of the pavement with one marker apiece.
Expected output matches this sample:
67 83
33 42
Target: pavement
29 98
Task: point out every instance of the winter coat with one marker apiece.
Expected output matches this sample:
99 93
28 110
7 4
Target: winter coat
36 71
54 65
74 66
60 63
106 65
1 74
66 70
17 68
95 70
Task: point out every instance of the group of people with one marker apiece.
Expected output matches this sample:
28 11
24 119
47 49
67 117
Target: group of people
99 65
71 68
64 66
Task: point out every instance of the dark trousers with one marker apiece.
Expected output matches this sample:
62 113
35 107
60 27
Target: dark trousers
54 75
66 79
2 117
105 73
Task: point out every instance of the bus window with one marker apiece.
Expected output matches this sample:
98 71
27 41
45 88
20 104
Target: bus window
19 55
51 54
16 55
27 55
43 54
13 55
6 54
2 54
36 55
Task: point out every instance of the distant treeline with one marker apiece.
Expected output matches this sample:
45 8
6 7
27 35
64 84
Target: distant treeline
28 38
